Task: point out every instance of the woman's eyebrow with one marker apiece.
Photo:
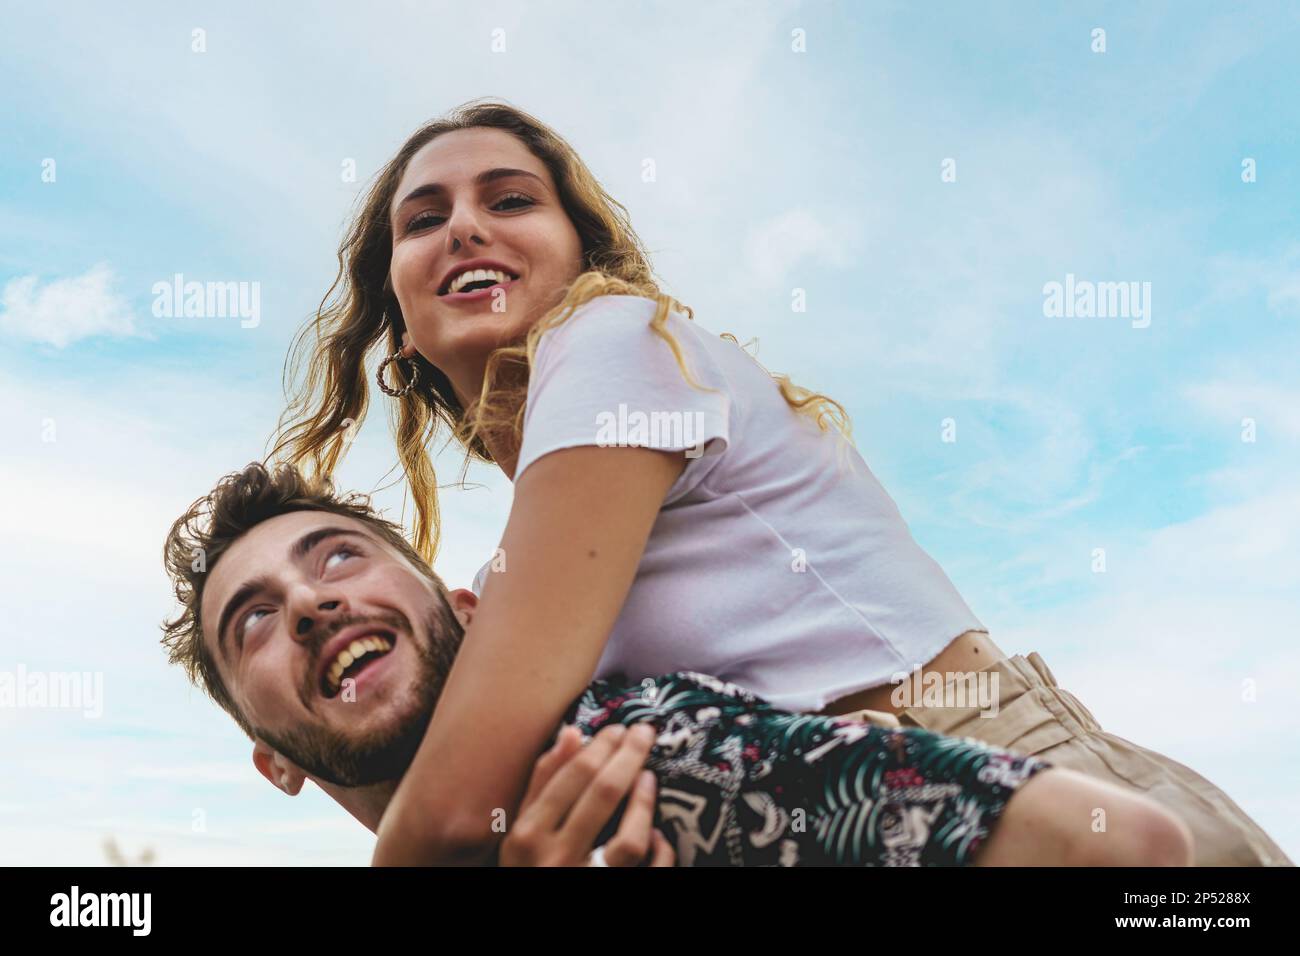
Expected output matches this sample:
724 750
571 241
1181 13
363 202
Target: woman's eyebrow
483 178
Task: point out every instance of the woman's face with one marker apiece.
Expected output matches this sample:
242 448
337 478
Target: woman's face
447 211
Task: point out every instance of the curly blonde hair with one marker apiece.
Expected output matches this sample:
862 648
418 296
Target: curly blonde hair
360 310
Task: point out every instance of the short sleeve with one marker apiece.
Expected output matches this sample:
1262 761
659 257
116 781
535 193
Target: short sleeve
480 579
605 377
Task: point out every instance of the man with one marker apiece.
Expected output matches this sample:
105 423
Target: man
315 625
356 755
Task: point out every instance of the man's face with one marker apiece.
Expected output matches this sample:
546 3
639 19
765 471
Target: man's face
306 591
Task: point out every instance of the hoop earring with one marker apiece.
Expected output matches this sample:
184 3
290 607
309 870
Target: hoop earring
396 392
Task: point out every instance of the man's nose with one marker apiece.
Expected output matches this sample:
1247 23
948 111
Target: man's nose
312 610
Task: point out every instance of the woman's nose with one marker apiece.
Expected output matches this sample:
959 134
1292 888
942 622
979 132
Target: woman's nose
462 228
455 241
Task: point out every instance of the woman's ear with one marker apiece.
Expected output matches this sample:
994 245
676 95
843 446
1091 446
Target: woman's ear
408 347
281 771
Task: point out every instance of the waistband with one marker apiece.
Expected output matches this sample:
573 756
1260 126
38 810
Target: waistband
1032 712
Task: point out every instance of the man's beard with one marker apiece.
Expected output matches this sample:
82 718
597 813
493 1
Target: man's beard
385 754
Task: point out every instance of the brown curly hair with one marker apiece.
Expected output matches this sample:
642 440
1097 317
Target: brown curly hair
199 537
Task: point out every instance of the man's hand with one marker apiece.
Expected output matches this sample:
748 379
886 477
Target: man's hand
574 792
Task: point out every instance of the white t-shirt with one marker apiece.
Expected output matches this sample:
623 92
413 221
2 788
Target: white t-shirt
775 563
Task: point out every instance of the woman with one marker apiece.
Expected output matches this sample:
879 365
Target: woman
748 541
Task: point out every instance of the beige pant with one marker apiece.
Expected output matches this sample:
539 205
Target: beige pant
1038 718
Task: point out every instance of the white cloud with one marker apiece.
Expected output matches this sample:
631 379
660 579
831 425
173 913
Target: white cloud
1234 276
194 773
1273 407
64 311
1036 461
792 238
1253 545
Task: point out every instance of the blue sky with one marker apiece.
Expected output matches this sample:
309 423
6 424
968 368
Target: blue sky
776 170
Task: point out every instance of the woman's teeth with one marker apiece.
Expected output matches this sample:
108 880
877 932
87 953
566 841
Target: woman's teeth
476 275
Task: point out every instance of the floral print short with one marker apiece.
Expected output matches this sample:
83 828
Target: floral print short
742 783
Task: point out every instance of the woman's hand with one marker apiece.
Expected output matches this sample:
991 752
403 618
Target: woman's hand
574 792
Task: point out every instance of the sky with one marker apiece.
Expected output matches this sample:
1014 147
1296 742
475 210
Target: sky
918 174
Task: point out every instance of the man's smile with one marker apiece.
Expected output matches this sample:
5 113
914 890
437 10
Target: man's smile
346 657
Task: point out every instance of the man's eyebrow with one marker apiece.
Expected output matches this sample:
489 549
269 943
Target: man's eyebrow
301 548
482 179
312 538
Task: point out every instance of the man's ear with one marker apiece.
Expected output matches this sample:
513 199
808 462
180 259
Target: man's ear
281 771
464 603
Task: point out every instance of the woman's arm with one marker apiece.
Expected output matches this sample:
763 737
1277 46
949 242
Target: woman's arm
576 533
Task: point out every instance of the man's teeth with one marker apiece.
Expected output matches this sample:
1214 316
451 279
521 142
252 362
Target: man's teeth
476 275
350 655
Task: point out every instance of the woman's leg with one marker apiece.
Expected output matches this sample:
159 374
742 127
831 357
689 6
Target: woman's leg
746 784
1062 818
1035 716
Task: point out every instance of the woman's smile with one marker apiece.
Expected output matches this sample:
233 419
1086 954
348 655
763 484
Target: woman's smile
477 291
